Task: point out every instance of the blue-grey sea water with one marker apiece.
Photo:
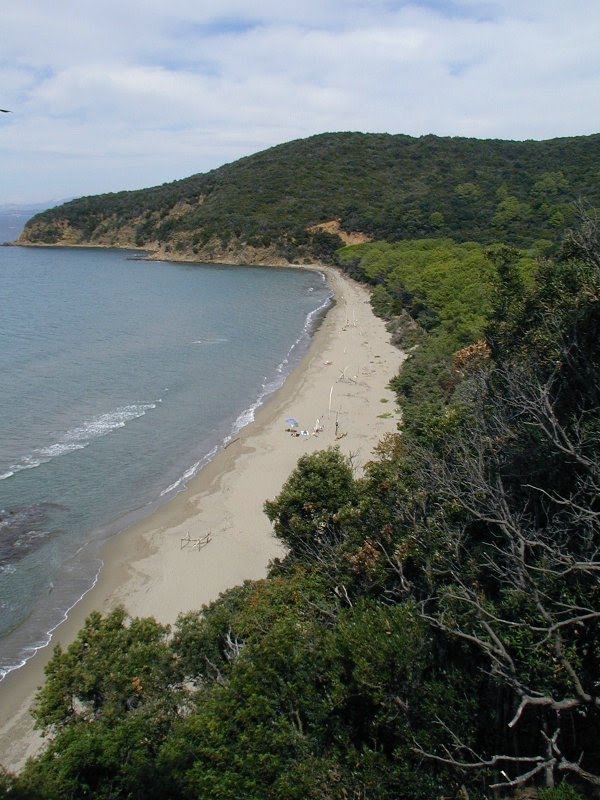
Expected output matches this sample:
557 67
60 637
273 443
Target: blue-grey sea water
119 379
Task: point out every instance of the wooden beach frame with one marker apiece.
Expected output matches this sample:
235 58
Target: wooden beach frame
195 544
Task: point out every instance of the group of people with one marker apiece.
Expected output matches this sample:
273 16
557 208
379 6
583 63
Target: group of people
318 428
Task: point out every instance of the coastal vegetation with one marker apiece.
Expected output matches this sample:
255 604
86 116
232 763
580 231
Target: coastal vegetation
302 200
436 294
433 629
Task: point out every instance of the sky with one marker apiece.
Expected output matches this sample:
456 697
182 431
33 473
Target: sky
108 95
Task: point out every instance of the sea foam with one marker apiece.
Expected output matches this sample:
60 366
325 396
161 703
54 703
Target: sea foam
79 437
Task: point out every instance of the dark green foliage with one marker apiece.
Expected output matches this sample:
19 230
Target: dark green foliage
324 245
509 518
305 514
11 788
563 792
113 665
108 703
312 703
387 187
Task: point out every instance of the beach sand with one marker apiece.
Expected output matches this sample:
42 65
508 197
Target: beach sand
153 570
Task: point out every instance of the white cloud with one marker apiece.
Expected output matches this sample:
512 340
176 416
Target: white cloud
128 93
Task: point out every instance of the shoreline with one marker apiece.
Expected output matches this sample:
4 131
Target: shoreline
247 257
152 570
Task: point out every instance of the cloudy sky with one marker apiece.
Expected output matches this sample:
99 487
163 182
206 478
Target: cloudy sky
118 94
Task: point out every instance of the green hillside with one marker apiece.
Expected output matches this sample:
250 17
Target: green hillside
386 187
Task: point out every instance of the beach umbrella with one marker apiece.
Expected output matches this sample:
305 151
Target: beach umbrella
291 421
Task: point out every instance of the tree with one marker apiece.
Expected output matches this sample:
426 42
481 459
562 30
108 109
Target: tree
305 515
114 665
108 703
514 518
517 577
12 789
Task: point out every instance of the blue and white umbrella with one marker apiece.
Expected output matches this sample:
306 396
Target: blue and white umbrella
292 422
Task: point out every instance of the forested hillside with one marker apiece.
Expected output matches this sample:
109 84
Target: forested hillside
264 208
433 631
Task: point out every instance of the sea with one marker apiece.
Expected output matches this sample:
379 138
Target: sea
120 378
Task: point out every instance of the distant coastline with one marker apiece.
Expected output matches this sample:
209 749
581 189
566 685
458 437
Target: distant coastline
252 257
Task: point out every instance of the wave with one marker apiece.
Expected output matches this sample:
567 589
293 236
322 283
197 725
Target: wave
79 437
309 325
189 473
268 388
209 341
29 651
282 370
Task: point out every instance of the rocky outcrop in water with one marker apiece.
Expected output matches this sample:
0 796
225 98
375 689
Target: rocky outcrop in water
23 530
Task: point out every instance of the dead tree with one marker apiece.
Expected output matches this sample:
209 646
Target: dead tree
517 576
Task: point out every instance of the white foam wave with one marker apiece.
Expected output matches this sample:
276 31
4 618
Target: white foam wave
31 650
245 418
81 436
268 388
189 473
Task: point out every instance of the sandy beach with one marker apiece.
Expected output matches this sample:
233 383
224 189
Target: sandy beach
214 534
